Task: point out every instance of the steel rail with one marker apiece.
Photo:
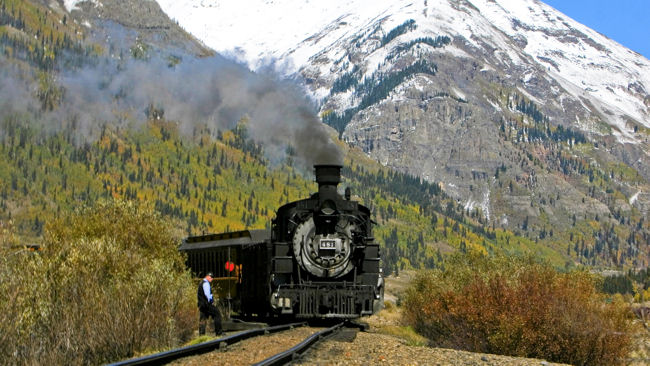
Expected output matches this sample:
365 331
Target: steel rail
291 354
168 356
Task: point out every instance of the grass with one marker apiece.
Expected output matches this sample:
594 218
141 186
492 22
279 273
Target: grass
406 333
199 340
389 322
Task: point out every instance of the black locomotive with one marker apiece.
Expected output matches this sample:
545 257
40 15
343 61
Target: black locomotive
318 261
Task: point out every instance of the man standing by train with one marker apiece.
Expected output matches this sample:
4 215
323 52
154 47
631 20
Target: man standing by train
206 306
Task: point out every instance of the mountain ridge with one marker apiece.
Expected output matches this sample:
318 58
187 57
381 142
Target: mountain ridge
525 114
424 104
479 18
590 108
99 128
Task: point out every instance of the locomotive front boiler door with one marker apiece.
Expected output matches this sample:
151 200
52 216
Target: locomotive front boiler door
326 256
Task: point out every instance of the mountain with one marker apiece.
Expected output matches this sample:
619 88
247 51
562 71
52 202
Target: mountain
97 104
523 35
115 99
519 112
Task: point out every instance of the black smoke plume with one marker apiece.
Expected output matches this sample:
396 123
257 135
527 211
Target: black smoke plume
213 92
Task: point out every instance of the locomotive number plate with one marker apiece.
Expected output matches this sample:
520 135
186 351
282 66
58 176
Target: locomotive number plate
327 244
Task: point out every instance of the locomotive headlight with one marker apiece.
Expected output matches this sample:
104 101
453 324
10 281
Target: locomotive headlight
328 208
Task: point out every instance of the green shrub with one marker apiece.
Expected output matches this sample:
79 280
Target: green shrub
518 307
107 284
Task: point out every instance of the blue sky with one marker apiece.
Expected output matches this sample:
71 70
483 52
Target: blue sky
625 21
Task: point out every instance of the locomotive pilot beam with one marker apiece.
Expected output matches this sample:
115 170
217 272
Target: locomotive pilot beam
319 260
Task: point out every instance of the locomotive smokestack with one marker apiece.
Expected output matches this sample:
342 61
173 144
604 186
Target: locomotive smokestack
327 177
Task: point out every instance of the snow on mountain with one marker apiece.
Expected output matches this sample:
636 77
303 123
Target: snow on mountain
585 62
72 4
292 33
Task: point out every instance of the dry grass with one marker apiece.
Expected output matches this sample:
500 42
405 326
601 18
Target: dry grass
396 286
640 354
389 321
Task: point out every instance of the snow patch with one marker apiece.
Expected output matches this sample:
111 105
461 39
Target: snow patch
72 4
493 104
459 94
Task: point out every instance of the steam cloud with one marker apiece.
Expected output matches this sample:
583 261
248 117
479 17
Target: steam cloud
214 92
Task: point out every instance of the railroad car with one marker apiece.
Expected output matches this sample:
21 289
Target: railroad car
319 260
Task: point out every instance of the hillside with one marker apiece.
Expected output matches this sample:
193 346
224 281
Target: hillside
68 146
130 115
214 185
536 121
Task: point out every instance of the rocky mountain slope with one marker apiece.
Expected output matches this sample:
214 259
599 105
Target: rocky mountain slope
521 113
94 109
123 23
532 122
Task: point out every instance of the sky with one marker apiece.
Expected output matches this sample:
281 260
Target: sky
625 21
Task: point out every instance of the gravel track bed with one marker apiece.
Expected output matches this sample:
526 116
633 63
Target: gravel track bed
350 347
251 350
373 349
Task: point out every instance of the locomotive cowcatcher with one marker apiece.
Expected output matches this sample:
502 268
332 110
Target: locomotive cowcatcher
319 260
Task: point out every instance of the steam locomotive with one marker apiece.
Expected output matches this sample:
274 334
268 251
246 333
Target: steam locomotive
319 260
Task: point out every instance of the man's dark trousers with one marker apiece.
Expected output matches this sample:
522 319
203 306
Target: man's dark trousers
206 311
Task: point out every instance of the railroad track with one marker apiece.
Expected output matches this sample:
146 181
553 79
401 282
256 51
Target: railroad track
197 349
281 358
291 354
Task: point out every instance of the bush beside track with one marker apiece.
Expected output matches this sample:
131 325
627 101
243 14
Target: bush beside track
518 307
107 283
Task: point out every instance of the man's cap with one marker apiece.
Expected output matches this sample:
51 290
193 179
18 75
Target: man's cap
209 274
